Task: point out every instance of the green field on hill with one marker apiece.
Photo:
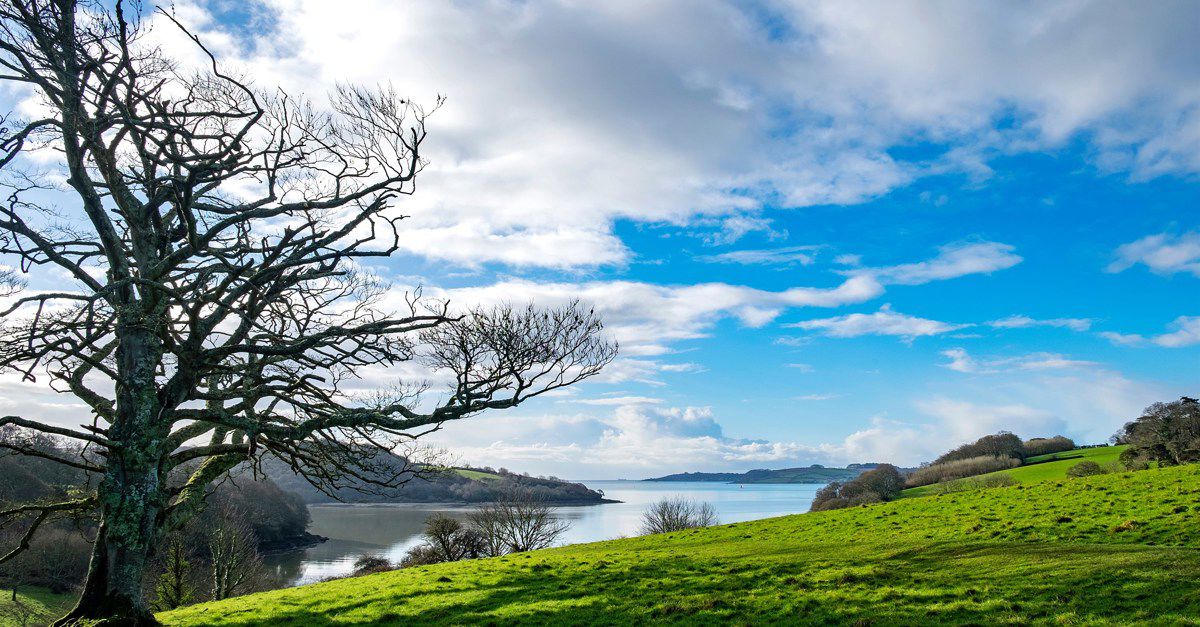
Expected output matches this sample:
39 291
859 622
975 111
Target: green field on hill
1042 467
1112 549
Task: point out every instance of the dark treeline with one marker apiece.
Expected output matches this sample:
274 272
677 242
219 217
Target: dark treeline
252 513
438 486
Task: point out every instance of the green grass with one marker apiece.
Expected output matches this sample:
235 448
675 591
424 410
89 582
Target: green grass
39 605
476 474
1039 468
1112 549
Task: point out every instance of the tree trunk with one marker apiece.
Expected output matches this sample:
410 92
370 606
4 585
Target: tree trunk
130 495
113 591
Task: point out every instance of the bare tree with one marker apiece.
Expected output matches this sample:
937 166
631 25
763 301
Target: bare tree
520 522
216 236
233 555
677 514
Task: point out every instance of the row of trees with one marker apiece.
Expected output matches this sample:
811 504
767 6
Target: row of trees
990 453
1167 434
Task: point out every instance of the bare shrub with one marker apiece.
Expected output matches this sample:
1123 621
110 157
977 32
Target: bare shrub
523 521
957 469
368 564
677 514
1046 446
421 555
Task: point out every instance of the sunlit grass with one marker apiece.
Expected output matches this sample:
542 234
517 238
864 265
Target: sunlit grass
1110 549
1040 469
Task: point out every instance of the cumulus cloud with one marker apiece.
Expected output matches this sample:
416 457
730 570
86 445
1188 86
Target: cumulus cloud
639 438
798 104
1025 322
883 322
1163 253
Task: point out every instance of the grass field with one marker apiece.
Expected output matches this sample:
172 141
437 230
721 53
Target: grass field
476 474
36 605
1040 468
1113 549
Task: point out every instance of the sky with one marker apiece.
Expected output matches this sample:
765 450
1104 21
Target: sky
822 232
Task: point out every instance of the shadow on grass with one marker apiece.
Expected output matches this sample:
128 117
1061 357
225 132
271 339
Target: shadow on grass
943 583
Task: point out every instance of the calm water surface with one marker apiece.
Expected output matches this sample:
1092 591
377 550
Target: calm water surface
390 530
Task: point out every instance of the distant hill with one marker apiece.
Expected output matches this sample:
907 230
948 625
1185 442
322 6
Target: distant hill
809 474
453 485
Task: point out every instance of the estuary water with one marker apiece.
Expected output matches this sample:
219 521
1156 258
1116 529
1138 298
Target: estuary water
390 530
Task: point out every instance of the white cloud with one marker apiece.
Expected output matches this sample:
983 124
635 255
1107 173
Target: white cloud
952 261
548 120
1025 322
640 438
617 400
1185 332
804 368
815 397
883 322
962 361
786 256
1163 253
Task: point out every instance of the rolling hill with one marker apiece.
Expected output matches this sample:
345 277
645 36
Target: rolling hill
1041 467
1111 549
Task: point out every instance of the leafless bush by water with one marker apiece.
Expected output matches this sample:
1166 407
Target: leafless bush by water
677 514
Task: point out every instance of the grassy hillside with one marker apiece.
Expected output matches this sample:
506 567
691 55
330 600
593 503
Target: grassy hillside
34 606
476 475
1042 468
1111 549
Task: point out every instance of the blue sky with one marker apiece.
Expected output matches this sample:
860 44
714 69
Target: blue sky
822 232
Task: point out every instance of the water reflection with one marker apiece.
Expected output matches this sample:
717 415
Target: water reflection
390 530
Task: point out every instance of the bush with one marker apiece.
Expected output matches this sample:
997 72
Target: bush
1003 444
368 564
1085 469
1046 446
883 483
677 514
958 469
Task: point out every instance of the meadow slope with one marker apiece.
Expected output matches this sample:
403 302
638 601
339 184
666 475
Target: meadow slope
1112 549
1041 467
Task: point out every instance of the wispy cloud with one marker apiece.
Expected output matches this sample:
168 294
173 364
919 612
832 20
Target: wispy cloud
1163 253
883 322
1025 322
962 361
1183 331
787 256
952 261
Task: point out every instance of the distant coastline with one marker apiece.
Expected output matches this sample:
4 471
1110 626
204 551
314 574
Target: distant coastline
808 474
